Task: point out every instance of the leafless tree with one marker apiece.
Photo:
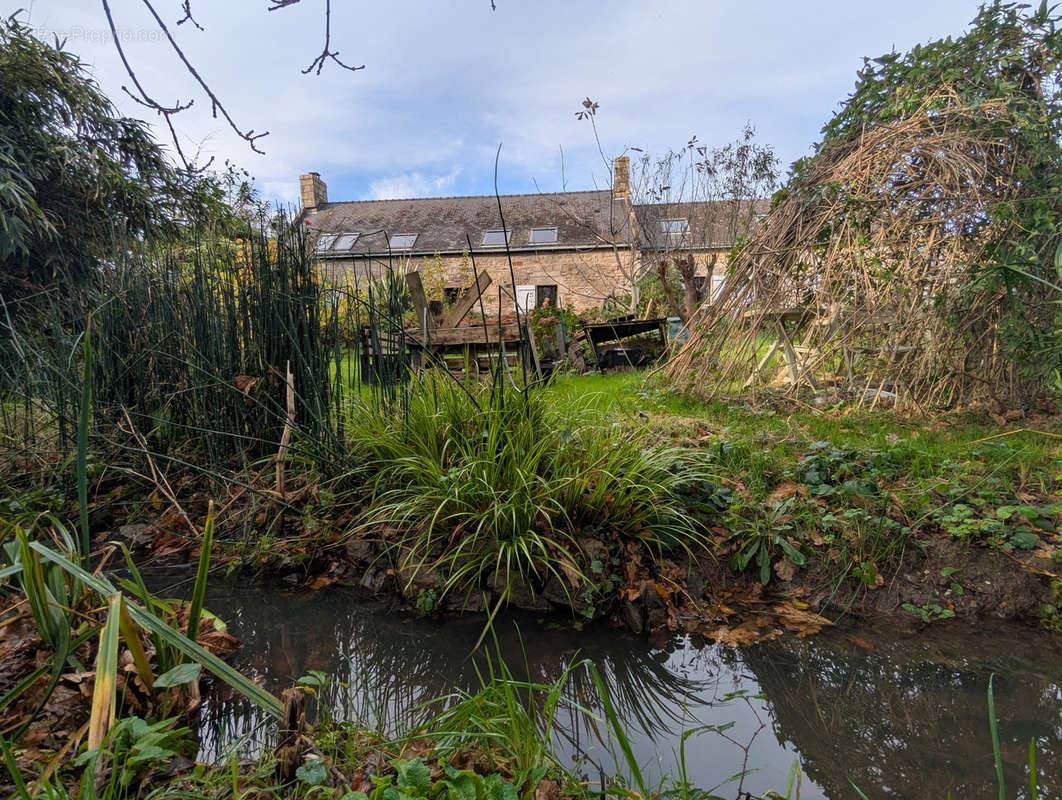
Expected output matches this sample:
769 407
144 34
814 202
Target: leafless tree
686 209
693 206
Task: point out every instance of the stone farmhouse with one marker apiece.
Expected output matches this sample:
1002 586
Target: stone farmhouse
573 249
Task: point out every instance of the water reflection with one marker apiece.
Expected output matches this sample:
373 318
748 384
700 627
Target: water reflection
905 720
910 718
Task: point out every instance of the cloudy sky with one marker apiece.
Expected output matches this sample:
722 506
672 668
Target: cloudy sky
446 81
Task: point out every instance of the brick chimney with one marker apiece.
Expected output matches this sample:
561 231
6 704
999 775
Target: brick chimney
314 191
621 178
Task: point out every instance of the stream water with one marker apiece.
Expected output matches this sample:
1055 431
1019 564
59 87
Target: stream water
900 715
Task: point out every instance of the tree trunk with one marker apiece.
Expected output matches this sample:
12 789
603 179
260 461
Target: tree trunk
687 266
672 301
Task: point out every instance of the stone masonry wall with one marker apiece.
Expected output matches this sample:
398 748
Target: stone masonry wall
583 279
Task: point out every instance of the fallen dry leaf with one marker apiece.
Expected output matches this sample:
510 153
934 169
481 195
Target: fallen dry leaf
748 632
785 569
572 574
784 491
546 790
803 622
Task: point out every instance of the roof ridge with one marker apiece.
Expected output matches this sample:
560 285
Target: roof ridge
467 197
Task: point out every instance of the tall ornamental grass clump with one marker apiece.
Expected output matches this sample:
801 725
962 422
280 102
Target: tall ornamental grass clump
191 343
486 488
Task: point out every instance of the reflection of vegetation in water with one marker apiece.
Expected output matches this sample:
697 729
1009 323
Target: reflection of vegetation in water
383 669
904 718
910 718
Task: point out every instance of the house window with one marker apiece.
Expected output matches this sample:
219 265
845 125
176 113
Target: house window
497 237
450 294
402 241
325 242
345 241
543 235
546 295
674 231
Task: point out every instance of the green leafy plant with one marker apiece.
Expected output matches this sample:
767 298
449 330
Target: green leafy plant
929 612
758 538
513 719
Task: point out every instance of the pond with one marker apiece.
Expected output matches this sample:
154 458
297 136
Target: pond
899 714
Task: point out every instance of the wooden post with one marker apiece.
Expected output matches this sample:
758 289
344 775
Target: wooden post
762 363
285 437
420 300
468 298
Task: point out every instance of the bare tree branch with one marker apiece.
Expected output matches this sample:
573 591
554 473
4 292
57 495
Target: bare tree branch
187 8
139 94
326 54
166 112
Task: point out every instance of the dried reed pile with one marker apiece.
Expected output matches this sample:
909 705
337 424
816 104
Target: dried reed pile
885 268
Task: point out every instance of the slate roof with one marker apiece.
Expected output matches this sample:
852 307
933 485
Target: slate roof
584 220
712 224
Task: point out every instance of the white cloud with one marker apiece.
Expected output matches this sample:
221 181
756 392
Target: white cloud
412 184
445 83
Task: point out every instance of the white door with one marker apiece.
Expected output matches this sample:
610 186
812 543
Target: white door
525 298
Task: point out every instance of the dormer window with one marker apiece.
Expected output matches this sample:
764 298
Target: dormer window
497 237
543 235
402 241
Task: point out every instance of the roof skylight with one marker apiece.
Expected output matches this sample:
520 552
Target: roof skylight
497 237
345 241
402 241
543 235
325 242
674 225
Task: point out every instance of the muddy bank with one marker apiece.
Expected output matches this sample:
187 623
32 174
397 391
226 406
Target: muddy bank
938 578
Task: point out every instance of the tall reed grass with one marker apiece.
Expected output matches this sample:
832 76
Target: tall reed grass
189 344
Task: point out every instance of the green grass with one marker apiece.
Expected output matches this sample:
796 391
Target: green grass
868 483
969 442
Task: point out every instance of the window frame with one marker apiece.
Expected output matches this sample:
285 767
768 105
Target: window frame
507 237
330 237
666 228
551 289
391 241
339 237
531 234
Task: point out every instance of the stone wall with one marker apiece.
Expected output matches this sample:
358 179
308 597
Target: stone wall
584 279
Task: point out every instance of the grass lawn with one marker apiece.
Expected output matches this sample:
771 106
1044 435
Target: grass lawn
1028 454
851 491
